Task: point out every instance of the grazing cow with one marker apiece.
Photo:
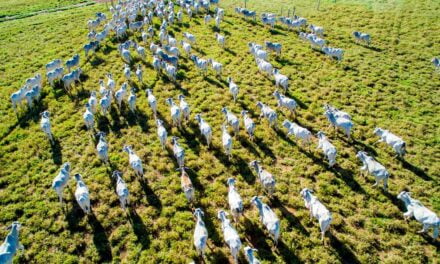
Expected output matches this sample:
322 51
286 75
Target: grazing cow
226 141
34 81
317 30
89 118
140 50
11 244
218 20
235 201
17 97
187 186
186 47
317 210
338 121
299 132
121 93
268 113
111 84
205 129
264 66
231 119
73 62
175 113
139 72
61 180
134 160
71 78
207 19
265 177
392 140
179 152
333 52
53 65
220 39
327 147
249 124
174 51
268 218
216 66
200 233
82 194
121 189
436 63
161 133
105 103
184 107
127 72
422 214
233 88
180 16
102 147
230 235
315 41
249 253
132 100
268 19
374 168
362 37
45 125
200 63
272 46
280 79
257 51
152 102
157 63
91 46
170 70
54 75
286 102
190 37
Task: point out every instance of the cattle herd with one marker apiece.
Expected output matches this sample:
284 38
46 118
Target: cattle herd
125 18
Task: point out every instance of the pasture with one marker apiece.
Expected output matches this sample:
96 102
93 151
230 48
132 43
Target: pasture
390 84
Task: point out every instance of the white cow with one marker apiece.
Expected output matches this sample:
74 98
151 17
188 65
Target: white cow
392 140
317 210
374 168
82 194
327 147
230 235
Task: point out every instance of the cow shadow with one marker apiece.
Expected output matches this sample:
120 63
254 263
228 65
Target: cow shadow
345 254
347 177
139 228
293 220
152 198
100 239
416 170
57 155
257 238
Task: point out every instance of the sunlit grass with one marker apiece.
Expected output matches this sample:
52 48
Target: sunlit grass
390 84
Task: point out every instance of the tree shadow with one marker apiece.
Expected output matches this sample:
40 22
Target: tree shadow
100 239
152 198
57 155
345 254
139 228
416 170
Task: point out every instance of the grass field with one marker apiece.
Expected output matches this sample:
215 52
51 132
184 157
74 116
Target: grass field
22 7
390 84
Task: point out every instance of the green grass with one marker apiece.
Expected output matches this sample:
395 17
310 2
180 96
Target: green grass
391 85
23 7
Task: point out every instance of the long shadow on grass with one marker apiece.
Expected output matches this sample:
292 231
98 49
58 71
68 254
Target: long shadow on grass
416 170
238 164
57 155
100 239
248 145
265 148
257 238
74 215
139 228
152 198
344 253
293 220
347 176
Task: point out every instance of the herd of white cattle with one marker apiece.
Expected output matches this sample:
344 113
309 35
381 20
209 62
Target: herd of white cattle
165 60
